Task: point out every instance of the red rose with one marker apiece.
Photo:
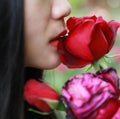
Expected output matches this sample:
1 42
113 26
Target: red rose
37 93
89 39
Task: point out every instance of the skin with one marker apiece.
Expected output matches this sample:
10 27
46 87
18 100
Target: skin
43 21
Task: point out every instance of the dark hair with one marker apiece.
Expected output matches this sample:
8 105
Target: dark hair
12 72
11 59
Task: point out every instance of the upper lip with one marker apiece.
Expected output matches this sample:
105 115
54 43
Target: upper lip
63 33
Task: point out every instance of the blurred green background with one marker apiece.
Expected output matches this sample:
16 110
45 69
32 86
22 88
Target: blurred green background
109 10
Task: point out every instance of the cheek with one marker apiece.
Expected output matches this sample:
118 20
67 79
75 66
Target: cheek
33 49
40 54
43 61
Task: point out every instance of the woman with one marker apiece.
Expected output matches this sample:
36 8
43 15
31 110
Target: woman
27 29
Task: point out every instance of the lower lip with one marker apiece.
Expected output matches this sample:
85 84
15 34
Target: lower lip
54 43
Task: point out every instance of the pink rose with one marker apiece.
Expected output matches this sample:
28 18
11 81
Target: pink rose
89 39
37 93
92 95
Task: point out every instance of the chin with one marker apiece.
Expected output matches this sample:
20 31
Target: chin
47 65
52 62
49 62
51 65
44 66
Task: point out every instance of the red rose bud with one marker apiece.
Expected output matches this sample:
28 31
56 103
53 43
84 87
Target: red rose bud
40 95
89 39
92 95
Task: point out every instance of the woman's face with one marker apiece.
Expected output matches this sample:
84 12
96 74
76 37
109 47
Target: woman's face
44 20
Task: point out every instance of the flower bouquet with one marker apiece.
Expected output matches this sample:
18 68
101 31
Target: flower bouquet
88 95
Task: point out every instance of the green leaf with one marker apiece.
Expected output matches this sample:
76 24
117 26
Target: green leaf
61 106
52 103
96 66
89 68
100 64
38 112
58 105
103 63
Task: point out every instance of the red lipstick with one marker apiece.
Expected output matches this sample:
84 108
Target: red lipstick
54 42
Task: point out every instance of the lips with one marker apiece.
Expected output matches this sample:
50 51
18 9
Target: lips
55 40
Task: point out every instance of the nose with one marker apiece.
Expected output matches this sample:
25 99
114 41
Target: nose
60 9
